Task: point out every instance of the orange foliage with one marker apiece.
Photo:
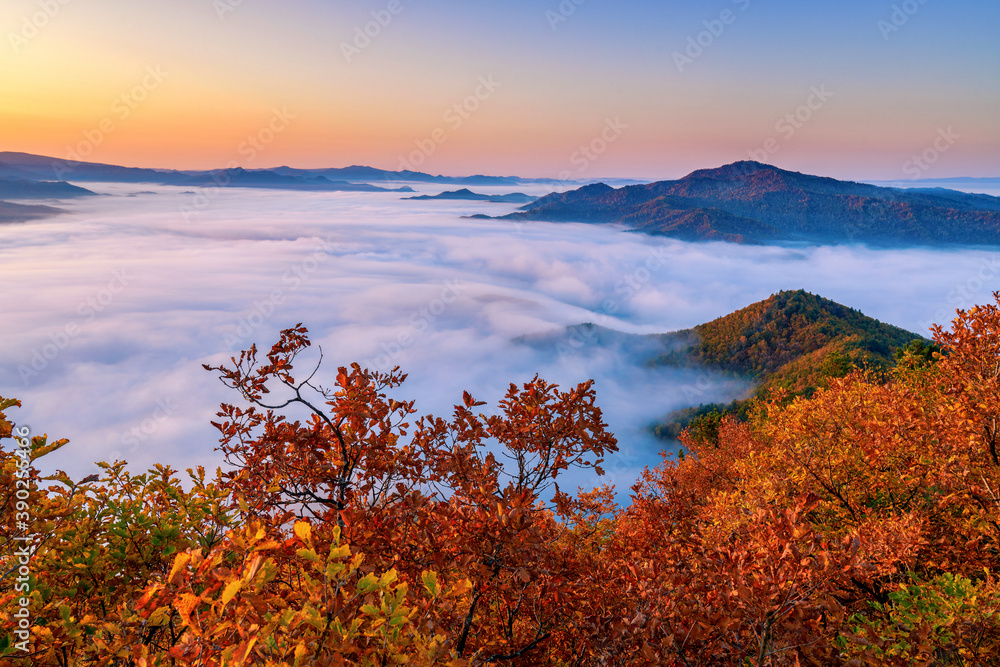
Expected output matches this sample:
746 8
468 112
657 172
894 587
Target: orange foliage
859 526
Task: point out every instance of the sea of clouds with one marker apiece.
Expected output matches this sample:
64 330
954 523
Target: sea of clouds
110 311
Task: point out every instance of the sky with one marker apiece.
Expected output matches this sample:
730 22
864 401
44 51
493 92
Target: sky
859 89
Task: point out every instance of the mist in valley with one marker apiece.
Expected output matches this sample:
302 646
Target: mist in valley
111 310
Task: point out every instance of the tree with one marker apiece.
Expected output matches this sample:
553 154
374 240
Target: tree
437 499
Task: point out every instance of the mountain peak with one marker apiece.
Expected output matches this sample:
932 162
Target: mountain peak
735 171
753 202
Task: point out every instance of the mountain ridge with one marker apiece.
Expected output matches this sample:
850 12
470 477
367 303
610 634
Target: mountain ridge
11 188
792 341
45 168
751 202
469 195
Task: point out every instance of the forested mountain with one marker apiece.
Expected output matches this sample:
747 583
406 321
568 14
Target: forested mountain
754 203
786 339
792 341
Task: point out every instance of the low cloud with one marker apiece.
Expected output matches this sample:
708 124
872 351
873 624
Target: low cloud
379 280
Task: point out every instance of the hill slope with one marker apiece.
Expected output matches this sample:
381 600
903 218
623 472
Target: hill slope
23 212
786 339
21 189
754 202
794 341
466 194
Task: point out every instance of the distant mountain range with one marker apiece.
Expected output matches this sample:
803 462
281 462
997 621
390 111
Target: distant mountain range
242 178
750 202
39 167
466 194
744 202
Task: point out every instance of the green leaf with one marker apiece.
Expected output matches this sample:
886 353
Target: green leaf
430 579
308 554
368 583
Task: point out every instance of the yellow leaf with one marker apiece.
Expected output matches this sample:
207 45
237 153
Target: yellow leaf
179 562
185 604
231 590
342 551
300 652
251 570
243 652
303 531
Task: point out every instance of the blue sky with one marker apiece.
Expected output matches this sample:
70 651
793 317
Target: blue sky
897 72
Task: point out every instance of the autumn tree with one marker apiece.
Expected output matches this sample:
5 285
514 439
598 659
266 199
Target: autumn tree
473 497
